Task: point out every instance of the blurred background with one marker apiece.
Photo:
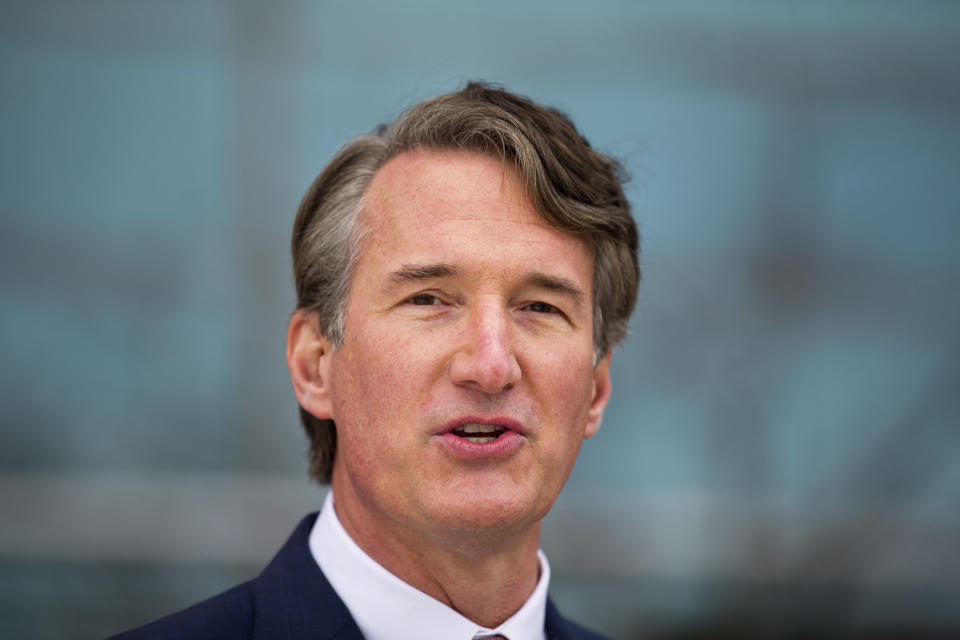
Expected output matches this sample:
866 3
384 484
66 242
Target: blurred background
782 455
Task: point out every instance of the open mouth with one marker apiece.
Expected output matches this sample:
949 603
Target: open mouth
479 433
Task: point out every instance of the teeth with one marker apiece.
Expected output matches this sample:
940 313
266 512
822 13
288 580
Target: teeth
480 428
480 439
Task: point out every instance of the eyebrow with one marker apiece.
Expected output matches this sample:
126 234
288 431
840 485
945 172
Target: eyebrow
414 272
559 285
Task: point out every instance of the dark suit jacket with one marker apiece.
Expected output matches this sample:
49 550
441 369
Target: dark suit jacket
290 600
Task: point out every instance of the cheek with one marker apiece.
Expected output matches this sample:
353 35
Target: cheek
380 381
365 419
574 398
571 379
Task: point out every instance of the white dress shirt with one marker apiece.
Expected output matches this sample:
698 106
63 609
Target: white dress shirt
387 608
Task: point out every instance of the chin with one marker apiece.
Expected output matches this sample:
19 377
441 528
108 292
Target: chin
489 513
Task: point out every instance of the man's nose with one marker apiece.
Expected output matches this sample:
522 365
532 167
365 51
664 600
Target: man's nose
486 360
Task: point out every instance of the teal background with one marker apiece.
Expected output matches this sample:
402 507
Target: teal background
782 454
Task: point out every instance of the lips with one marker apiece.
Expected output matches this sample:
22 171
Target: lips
479 433
481 437
478 426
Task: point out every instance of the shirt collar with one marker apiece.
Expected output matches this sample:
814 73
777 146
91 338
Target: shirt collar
387 608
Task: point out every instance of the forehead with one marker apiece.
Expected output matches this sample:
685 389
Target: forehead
417 184
443 198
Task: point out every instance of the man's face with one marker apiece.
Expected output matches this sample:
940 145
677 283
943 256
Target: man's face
466 309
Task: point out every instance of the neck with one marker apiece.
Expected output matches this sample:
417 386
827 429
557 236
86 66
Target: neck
484 576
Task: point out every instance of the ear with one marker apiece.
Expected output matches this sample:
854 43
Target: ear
308 358
601 395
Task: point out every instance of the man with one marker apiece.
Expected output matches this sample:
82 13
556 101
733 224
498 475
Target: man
462 277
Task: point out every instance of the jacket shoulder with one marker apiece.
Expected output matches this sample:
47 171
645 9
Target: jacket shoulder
291 598
228 615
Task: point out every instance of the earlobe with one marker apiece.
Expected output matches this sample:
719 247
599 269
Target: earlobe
601 395
308 359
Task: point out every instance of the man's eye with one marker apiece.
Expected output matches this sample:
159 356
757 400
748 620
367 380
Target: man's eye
542 307
424 299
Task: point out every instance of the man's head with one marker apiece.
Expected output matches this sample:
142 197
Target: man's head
546 168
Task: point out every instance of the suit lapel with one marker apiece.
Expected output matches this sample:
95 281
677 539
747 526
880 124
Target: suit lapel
555 625
293 599
559 628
